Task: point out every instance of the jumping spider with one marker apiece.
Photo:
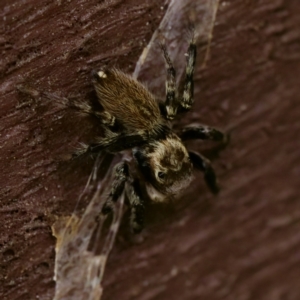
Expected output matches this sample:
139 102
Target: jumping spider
143 125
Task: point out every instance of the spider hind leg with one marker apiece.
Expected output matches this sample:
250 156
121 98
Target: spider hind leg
186 101
171 104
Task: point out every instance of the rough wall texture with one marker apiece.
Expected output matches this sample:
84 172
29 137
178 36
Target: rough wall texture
244 244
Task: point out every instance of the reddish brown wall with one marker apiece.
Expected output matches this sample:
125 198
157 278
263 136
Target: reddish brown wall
244 244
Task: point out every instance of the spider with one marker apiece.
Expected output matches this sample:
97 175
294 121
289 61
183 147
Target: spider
134 120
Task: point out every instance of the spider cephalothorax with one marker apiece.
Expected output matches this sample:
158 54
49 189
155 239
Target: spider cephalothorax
144 126
168 164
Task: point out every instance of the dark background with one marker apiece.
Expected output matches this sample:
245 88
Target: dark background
243 244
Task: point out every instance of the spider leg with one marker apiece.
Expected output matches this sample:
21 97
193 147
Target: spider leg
117 143
186 101
137 206
121 175
133 192
106 118
171 104
82 107
203 164
112 143
85 108
203 132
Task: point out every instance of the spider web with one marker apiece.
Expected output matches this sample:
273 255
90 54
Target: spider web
79 263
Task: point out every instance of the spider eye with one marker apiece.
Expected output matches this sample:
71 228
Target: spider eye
161 175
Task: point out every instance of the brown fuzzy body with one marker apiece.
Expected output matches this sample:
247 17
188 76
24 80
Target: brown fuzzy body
128 101
133 119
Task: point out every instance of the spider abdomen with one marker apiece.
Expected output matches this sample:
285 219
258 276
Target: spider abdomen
127 100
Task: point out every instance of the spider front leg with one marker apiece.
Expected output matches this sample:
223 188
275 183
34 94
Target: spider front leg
133 193
203 132
203 164
137 206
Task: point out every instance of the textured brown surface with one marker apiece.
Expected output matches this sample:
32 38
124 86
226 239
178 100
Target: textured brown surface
244 244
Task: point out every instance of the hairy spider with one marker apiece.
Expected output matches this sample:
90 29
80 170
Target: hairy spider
134 119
